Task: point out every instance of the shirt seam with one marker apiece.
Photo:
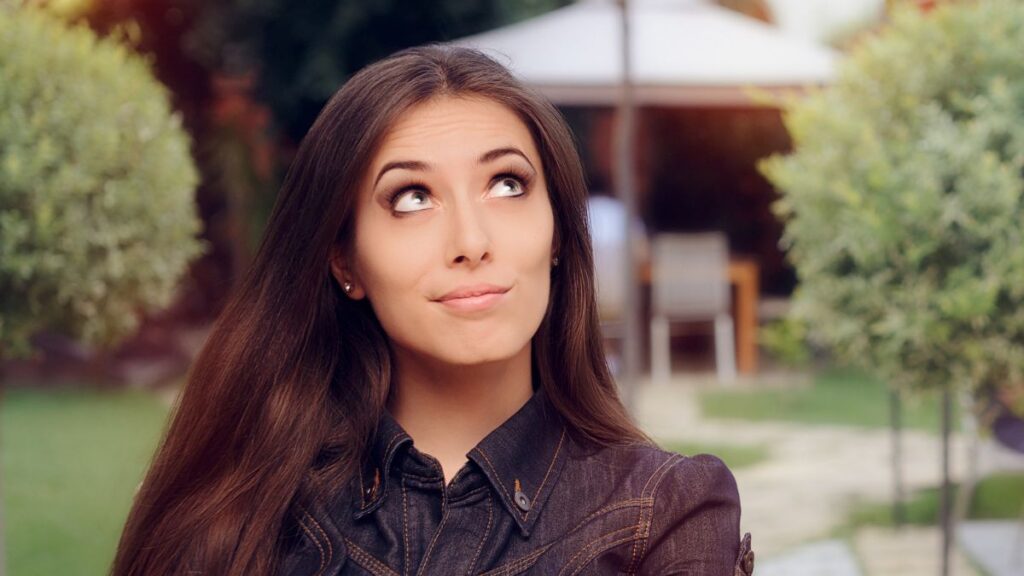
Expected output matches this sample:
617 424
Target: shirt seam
316 542
437 533
495 472
405 527
487 533
551 465
327 540
597 546
643 526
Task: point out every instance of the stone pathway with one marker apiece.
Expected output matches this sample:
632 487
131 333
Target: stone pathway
997 546
813 476
908 551
827 558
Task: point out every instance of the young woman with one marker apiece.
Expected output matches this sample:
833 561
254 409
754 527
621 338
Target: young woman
411 379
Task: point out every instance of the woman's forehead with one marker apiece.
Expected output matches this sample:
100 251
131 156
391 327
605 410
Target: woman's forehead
452 125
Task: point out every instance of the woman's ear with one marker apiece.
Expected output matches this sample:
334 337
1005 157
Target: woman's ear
345 276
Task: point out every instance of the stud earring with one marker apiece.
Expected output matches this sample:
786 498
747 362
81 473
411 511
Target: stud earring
347 287
554 261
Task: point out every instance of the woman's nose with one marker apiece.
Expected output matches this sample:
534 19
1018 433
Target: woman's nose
470 240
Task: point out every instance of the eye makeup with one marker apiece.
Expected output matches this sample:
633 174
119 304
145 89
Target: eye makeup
524 177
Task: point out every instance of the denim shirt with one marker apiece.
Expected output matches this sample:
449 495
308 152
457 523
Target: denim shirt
530 500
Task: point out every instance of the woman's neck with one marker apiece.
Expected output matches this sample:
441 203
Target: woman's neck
447 410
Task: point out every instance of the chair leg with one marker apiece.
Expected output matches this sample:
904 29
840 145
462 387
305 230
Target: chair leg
661 350
725 348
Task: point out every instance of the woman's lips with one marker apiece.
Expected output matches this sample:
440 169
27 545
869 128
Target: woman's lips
473 298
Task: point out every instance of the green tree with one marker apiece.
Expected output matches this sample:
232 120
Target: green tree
303 51
97 214
904 200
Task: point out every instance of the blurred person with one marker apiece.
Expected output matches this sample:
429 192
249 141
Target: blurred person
411 379
606 216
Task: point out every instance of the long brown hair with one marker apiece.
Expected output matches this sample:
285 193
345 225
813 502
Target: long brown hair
294 377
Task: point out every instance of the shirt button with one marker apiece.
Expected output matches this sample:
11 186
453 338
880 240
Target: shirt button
522 501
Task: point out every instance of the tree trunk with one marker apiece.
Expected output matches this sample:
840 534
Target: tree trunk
898 510
947 488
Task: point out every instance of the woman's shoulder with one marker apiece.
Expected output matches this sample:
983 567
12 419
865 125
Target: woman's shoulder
687 508
654 470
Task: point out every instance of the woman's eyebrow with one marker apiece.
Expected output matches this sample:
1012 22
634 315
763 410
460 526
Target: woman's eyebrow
402 165
423 166
499 152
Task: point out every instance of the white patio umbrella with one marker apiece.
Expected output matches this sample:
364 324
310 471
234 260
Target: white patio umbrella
681 52
677 52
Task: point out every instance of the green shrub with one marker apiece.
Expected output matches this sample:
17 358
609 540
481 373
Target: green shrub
97 185
903 199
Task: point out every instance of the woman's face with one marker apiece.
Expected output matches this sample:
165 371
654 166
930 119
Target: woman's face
453 234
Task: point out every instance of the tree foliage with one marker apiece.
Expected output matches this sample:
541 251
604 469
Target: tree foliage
903 199
303 51
97 215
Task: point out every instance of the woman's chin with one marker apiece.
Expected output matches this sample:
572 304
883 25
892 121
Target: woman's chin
477 357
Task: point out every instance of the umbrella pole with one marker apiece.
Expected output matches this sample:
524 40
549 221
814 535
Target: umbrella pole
625 187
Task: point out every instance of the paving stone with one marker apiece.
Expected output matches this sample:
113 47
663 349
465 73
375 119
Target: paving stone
907 551
826 558
997 546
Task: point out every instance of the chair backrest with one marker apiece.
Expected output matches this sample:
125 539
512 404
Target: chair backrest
690 275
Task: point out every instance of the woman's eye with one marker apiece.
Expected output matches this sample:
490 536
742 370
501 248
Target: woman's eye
412 201
508 186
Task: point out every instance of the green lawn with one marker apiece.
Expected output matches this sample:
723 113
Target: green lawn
835 397
71 462
997 497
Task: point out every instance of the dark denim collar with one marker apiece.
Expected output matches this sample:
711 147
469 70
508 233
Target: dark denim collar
521 459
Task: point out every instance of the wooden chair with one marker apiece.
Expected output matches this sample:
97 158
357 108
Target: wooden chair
690 283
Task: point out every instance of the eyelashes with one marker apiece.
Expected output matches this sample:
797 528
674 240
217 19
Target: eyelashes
420 192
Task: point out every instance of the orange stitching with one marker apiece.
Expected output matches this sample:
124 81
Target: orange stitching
615 506
631 567
362 490
405 525
487 532
437 532
598 553
323 561
524 562
550 466
510 567
671 459
646 540
593 543
633 557
391 443
637 560
366 560
327 540
495 472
